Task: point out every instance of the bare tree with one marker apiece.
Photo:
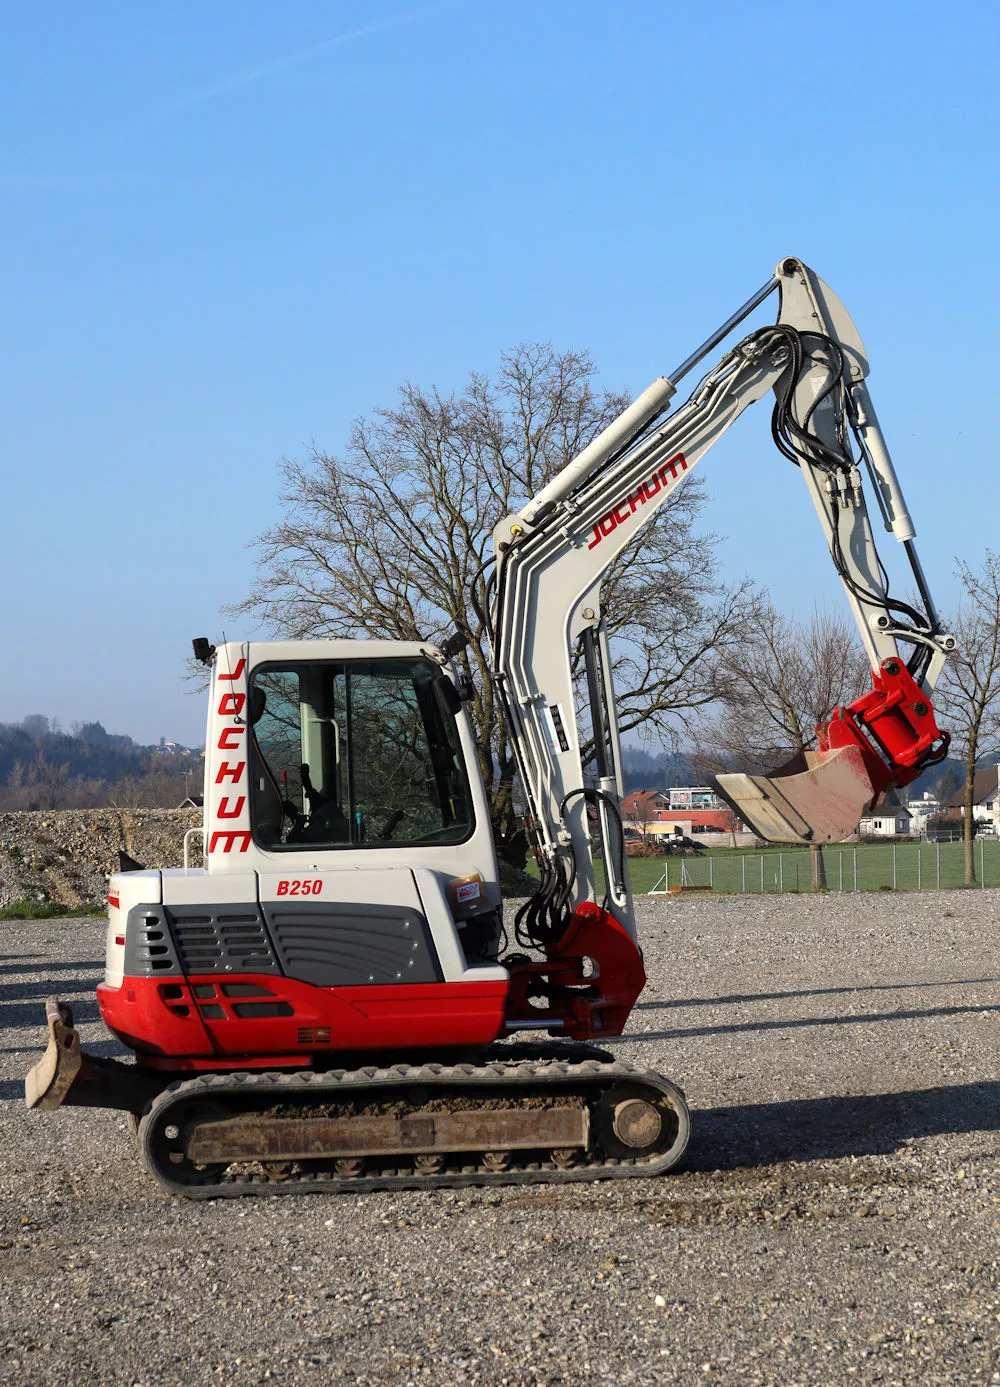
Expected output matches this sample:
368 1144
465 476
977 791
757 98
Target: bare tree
967 699
789 678
129 792
729 822
643 814
38 785
393 540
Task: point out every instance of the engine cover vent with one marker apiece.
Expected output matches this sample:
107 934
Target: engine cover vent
348 944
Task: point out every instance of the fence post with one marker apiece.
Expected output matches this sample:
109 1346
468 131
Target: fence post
711 874
937 854
855 869
982 859
841 856
894 866
919 846
781 871
743 862
762 873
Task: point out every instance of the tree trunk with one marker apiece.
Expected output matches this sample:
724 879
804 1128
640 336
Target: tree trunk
818 867
508 831
969 823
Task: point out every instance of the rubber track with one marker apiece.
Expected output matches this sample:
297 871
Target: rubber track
524 1076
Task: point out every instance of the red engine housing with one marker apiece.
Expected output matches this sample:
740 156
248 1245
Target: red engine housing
590 982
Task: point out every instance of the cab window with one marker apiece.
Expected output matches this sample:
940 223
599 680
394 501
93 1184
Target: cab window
355 754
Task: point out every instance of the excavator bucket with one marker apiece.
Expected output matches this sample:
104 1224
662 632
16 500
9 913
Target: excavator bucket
817 797
884 738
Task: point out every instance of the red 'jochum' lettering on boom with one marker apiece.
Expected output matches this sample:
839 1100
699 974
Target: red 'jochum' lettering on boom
618 514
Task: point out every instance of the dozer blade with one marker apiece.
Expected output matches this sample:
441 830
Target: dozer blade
817 797
67 1077
46 1085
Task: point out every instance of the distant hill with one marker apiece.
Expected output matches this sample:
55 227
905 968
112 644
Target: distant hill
654 771
44 767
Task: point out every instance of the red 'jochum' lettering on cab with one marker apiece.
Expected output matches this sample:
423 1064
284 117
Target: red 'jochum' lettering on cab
646 491
230 806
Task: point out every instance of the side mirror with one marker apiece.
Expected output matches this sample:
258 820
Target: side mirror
256 703
447 694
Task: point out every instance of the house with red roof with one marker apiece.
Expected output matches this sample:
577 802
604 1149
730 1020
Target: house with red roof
691 809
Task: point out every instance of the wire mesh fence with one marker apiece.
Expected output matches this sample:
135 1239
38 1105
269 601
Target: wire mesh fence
922 866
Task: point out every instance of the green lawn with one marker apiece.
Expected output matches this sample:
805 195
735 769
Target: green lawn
918 866
48 910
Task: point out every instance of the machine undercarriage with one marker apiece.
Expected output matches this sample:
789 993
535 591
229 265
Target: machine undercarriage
507 1114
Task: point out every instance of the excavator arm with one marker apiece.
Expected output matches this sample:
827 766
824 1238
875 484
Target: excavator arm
553 555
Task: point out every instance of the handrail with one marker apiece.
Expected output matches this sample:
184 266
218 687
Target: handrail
198 828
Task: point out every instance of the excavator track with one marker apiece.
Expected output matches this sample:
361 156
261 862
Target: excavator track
503 1121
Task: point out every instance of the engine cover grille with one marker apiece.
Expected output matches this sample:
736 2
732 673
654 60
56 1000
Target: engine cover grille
222 939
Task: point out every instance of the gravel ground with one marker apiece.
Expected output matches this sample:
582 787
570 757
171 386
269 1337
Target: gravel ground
836 1219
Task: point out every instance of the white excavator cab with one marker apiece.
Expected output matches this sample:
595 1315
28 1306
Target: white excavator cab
342 754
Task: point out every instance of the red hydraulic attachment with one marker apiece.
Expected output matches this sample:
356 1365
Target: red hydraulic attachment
898 717
885 738
589 982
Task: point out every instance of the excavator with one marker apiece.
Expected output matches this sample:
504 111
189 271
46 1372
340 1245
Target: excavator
332 1001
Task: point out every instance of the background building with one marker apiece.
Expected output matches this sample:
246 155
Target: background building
985 799
887 818
694 810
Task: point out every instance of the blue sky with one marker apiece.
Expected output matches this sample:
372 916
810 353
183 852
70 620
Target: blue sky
230 228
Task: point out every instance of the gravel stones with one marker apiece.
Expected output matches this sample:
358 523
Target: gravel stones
66 855
836 1220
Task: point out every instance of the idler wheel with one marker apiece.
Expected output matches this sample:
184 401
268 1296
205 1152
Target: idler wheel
636 1123
162 1139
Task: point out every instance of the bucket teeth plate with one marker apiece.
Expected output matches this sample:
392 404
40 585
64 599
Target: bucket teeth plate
46 1085
817 797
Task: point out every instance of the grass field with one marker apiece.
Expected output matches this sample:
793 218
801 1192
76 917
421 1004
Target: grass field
865 867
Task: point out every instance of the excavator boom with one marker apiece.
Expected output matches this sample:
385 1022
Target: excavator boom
553 555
